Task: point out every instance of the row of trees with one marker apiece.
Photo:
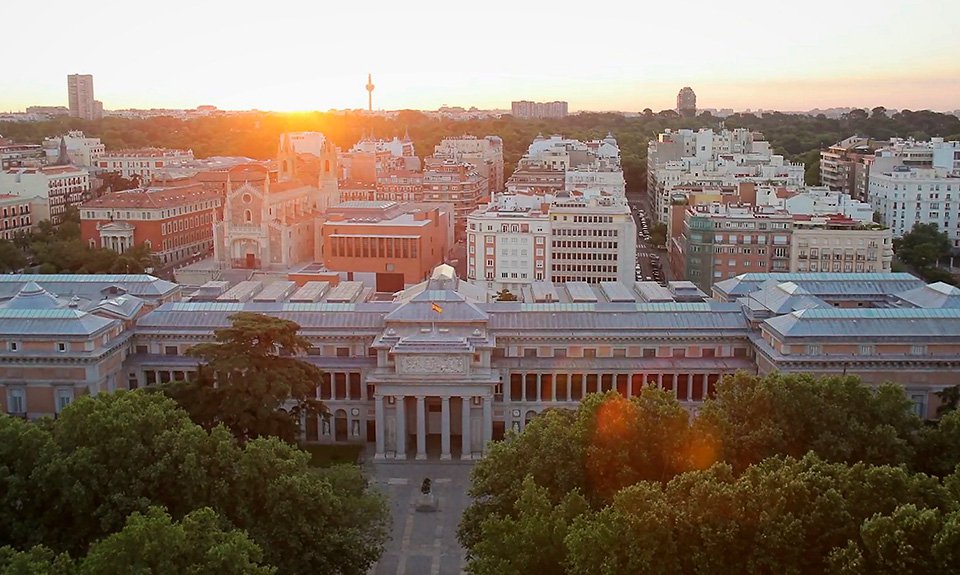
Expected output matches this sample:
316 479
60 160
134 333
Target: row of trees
777 474
59 249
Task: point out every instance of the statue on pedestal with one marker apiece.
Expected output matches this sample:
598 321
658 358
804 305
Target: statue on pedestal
427 501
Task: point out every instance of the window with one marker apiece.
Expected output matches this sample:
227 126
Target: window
142 349
866 349
64 397
61 346
343 352
918 350
13 346
814 349
170 350
16 400
919 402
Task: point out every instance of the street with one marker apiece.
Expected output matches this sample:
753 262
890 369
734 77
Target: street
649 259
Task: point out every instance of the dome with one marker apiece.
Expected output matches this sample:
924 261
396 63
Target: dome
32 296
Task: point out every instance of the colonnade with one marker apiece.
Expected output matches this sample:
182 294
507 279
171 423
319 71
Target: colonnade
399 402
543 387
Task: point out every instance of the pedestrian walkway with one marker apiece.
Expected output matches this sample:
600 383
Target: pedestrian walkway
422 543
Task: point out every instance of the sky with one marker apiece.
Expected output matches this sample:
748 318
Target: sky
615 55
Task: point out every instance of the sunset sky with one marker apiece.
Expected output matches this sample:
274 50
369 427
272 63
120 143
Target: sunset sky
310 55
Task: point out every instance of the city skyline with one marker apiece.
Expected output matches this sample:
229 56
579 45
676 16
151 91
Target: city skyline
290 58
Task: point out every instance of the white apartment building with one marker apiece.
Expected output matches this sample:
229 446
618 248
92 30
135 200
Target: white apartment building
147 163
486 154
592 240
592 168
507 245
814 201
53 187
81 150
830 245
705 157
517 240
904 196
937 153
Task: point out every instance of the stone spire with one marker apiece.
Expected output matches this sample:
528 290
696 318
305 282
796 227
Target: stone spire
63 159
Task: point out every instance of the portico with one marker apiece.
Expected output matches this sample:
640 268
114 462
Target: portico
461 415
433 376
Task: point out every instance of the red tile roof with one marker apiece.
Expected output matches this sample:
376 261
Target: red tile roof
139 198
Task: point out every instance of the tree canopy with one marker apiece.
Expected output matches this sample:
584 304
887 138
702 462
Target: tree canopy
777 474
59 249
922 247
81 479
251 380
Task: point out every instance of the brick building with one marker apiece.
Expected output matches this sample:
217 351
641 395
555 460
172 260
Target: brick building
176 223
16 215
399 242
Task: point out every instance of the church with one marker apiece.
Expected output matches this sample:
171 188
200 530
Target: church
271 225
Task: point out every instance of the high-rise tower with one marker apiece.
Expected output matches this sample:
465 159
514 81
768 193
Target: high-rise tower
370 88
687 102
80 96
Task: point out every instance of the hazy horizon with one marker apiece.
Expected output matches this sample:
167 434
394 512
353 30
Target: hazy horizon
287 57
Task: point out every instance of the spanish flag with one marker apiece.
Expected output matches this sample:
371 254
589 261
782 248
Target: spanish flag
436 307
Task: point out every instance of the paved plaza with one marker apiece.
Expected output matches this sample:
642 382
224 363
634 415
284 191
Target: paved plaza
422 543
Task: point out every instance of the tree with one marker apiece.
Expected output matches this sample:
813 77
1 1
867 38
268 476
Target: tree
11 258
922 246
838 418
909 540
154 543
251 382
782 516
136 260
68 483
548 450
506 295
38 560
949 398
658 234
532 540
626 441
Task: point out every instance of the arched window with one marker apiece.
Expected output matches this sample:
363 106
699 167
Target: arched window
247 216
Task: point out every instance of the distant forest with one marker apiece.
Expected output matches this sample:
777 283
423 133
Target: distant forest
255 134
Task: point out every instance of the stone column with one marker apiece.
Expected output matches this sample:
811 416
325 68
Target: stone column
583 385
421 428
539 388
444 427
466 449
378 407
523 388
487 421
553 388
401 427
689 387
